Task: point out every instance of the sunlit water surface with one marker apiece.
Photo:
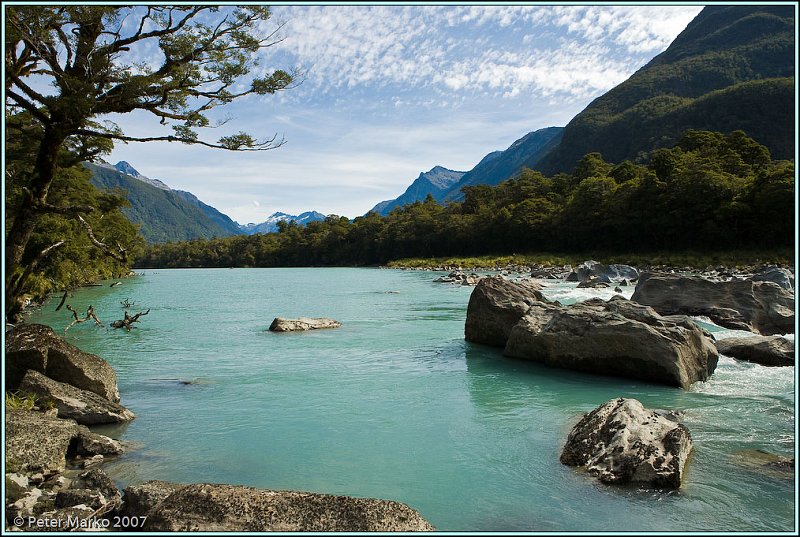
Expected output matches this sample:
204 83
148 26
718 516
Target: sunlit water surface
396 405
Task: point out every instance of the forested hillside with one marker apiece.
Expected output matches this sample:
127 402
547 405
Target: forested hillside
732 68
163 215
709 191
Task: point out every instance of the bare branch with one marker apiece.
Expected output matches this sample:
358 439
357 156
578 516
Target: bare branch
27 105
20 281
90 314
122 256
260 146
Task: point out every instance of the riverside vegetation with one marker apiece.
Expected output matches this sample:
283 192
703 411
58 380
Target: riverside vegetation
709 192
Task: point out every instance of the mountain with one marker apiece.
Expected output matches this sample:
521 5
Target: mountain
731 68
270 225
163 214
445 185
498 166
436 182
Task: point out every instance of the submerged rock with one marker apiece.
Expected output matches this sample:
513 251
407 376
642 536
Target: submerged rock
764 350
761 307
495 306
280 324
37 347
212 507
621 442
83 406
615 337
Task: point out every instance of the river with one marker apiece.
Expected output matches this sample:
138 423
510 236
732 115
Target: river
396 405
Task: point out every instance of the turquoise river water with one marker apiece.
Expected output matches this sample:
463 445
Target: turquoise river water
396 405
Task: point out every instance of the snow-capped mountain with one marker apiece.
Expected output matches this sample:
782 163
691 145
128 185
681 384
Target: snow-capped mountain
270 225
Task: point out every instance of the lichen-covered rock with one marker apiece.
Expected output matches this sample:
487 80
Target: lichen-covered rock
280 324
764 350
621 442
37 347
139 500
761 307
495 306
85 407
615 337
211 507
37 443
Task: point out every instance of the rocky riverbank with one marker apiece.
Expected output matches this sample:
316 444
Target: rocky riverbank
55 481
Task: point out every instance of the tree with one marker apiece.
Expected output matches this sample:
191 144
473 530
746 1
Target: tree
68 67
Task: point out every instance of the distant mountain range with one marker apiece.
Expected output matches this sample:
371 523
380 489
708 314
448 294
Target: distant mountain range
445 185
167 215
270 225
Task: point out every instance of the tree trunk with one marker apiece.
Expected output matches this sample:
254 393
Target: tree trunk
27 218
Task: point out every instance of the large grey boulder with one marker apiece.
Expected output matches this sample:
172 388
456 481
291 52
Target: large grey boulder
38 442
781 276
211 507
280 324
495 306
615 337
85 407
761 307
140 499
603 273
37 347
621 442
764 350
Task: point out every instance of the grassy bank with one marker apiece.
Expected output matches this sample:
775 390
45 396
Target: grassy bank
699 260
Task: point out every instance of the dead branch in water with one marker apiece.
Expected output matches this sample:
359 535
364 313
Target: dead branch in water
128 320
90 314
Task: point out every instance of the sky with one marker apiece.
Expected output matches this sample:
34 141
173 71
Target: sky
391 91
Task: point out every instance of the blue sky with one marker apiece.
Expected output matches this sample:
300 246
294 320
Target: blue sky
391 91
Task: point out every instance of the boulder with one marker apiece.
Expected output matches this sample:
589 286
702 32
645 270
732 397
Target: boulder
211 507
603 273
83 406
139 500
37 347
280 324
495 306
615 337
621 442
761 307
781 276
36 442
764 350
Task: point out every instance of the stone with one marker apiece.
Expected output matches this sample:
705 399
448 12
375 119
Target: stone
99 481
90 444
280 324
603 273
764 350
72 498
36 443
495 306
139 500
615 337
213 507
85 407
622 442
761 307
780 276
17 486
37 347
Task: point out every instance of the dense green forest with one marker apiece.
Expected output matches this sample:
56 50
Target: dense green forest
60 253
731 68
708 191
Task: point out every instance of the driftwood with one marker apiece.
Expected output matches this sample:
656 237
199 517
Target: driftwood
128 320
90 314
127 303
63 299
